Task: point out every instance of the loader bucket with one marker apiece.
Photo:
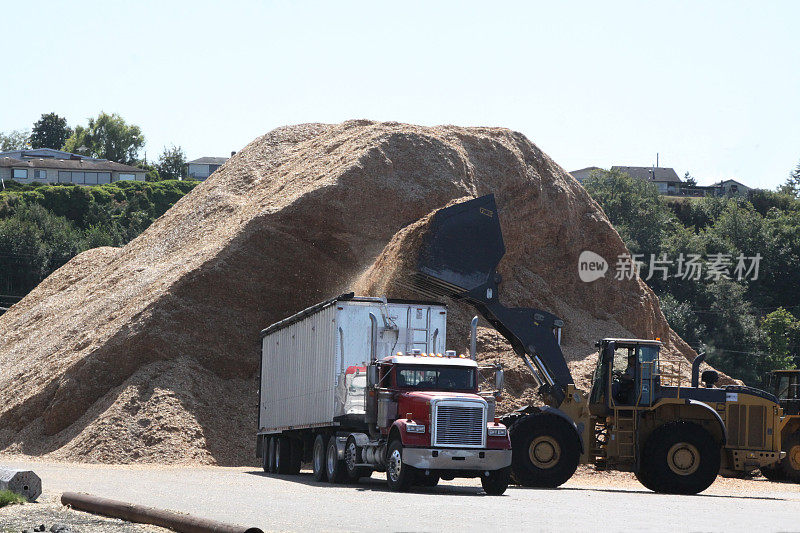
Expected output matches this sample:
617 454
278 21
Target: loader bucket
462 248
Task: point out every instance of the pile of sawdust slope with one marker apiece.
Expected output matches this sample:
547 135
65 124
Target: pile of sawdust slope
149 353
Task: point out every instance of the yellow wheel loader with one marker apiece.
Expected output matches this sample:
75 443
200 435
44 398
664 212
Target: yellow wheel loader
676 439
785 384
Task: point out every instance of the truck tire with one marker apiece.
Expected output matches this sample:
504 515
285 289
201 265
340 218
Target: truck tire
283 455
644 479
429 480
272 442
352 456
335 468
399 476
546 450
772 473
265 454
680 458
318 457
496 483
790 465
296 454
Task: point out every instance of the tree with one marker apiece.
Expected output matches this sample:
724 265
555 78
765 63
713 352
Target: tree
792 185
689 180
107 137
14 140
50 131
780 330
172 163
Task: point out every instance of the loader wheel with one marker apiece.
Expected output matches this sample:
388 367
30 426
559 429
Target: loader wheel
790 466
334 467
318 457
496 483
772 473
283 455
545 450
399 476
680 458
352 456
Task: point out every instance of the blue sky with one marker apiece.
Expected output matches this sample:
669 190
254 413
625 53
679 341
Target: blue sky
714 87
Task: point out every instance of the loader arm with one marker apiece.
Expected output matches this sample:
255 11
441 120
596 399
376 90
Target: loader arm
459 259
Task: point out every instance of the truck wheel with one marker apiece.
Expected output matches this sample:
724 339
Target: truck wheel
272 442
680 458
399 476
334 467
546 450
352 456
496 482
283 455
296 454
318 457
430 480
790 466
265 454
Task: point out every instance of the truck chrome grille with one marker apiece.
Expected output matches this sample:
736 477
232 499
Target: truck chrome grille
458 425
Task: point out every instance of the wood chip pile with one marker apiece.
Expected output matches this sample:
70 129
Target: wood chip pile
149 353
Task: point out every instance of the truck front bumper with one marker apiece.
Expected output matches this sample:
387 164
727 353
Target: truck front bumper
456 459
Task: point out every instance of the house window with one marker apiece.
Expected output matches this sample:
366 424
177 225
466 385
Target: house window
20 173
40 174
126 177
77 177
64 176
212 168
90 178
103 177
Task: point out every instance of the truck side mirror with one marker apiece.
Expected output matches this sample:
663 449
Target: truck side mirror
372 375
499 379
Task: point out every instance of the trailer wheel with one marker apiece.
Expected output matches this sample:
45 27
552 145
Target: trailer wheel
399 476
265 454
272 450
546 450
318 458
283 455
334 467
296 454
496 482
352 456
790 466
680 458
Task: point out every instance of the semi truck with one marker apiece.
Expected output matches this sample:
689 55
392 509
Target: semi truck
355 385
675 438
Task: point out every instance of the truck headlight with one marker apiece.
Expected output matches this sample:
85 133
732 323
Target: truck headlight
415 428
497 432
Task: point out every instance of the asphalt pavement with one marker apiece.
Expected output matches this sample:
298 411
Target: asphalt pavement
297 503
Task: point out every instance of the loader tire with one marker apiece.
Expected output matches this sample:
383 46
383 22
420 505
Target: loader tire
772 473
283 455
680 458
319 452
790 465
546 450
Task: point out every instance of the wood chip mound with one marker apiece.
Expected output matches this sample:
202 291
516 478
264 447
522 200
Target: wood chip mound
150 353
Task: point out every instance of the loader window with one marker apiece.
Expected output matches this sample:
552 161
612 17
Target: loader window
433 378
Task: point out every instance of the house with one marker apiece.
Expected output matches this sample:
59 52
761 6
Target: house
584 173
45 153
731 188
78 170
200 169
666 179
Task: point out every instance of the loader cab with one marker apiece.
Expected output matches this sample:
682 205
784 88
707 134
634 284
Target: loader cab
626 374
785 384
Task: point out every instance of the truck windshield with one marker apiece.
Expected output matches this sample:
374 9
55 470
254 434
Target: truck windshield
436 378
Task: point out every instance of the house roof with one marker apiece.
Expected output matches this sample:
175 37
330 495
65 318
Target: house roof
646 173
209 161
68 164
50 153
724 182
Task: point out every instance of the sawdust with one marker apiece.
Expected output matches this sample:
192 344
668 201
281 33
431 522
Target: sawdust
149 353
